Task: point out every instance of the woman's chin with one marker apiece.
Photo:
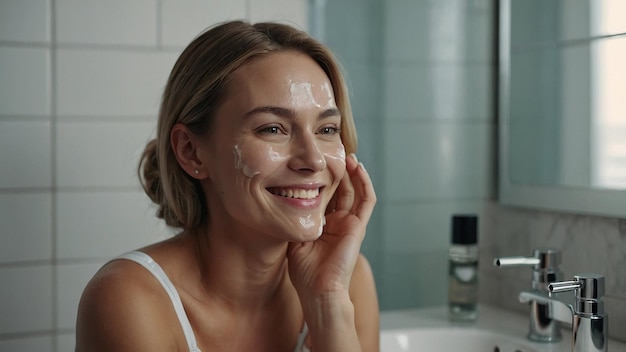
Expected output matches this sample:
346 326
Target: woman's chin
311 232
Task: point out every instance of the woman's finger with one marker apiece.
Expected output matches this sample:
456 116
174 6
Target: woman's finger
364 193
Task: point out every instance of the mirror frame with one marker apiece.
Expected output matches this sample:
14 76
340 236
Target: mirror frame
555 198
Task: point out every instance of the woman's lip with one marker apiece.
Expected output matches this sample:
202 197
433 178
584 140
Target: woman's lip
305 186
301 203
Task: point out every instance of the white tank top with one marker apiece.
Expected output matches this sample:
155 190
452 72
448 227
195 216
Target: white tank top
155 269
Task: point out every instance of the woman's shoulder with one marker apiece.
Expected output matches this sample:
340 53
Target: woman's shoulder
122 307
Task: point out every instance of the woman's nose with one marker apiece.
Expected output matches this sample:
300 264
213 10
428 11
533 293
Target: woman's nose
307 155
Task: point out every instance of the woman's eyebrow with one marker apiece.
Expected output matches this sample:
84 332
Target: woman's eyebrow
274 110
290 113
329 112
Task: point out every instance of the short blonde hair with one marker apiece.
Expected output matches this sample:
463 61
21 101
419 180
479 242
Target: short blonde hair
196 88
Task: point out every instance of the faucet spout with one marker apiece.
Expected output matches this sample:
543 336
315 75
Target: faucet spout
555 308
585 314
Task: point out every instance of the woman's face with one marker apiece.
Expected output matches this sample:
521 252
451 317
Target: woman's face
274 155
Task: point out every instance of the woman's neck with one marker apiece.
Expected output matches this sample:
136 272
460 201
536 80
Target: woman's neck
242 269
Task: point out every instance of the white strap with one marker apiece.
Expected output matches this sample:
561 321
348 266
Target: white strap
300 347
147 262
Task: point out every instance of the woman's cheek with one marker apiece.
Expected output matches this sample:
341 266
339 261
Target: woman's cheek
244 161
336 156
252 160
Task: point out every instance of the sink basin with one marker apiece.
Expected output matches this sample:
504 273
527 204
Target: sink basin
449 339
495 330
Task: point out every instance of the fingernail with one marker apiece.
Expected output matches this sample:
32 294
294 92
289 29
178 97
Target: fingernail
362 167
354 157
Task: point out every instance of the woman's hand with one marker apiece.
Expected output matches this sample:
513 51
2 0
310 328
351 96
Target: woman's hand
323 268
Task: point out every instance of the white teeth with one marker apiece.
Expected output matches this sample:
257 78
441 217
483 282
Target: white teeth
297 193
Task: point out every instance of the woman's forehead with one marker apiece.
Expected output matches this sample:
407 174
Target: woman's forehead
284 78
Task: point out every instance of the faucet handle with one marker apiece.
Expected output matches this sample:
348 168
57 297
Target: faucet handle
542 259
545 262
589 290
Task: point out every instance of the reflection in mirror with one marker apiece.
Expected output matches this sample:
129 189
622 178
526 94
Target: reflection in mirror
567 93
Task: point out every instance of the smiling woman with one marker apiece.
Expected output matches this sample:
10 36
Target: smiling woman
250 162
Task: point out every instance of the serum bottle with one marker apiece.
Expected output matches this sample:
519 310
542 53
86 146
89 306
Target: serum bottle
463 268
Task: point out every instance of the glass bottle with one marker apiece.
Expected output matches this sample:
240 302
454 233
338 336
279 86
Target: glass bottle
463 268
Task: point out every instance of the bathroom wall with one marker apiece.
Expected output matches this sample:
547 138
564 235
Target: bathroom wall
421 74
79 94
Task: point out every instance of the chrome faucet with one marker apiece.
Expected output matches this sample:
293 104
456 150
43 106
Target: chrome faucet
545 263
586 313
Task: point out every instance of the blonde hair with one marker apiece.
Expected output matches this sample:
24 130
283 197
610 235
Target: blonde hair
195 89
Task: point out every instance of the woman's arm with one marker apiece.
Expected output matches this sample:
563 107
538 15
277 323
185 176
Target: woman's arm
365 301
124 309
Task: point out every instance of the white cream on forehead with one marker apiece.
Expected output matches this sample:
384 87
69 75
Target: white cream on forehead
239 164
301 94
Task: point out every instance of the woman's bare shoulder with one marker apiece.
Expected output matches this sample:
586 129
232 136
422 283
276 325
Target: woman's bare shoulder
123 307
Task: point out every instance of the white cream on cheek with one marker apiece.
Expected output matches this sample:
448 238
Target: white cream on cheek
274 155
308 223
339 154
240 165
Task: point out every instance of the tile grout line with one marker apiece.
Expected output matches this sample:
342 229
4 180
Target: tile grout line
158 24
53 166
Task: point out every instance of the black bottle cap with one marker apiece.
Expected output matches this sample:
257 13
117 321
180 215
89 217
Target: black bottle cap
464 229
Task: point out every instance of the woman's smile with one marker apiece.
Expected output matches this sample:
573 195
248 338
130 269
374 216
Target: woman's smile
307 197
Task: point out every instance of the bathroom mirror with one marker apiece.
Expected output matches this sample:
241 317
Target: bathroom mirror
562 105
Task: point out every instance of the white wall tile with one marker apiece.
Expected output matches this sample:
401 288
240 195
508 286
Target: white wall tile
25 154
184 20
104 224
111 83
444 30
422 226
412 280
107 22
26 227
28 71
25 21
365 85
100 153
441 91
66 342
293 12
358 37
437 161
26 299
39 344
71 281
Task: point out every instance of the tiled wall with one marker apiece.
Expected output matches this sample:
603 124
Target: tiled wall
79 93
425 124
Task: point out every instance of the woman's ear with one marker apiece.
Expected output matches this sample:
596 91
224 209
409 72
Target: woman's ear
186 146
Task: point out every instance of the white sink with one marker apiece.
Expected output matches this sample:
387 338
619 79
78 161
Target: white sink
449 340
495 330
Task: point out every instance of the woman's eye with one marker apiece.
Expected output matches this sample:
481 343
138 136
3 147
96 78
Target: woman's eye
329 130
270 130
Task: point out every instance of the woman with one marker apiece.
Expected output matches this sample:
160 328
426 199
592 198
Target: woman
250 162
